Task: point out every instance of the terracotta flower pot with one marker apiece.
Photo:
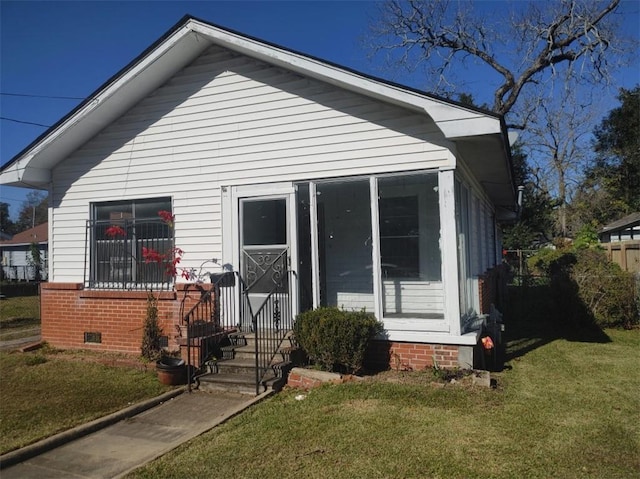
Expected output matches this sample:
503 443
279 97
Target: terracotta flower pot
171 371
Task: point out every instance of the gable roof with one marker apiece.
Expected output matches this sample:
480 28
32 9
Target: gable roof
462 124
38 234
629 220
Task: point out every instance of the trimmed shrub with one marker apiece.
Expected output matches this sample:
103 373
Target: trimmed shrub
334 339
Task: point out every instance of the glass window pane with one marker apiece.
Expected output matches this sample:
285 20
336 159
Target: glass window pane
411 264
304 247
117 260
149 208
399 234
344 237
264 222
113 211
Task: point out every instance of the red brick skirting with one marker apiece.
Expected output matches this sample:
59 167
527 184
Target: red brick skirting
116 317
406 356
69 311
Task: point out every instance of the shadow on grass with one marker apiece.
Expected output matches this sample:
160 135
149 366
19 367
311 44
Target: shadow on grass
537 314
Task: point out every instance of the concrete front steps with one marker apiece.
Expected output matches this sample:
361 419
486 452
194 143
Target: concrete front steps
236 370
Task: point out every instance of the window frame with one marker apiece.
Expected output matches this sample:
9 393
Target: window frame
115 261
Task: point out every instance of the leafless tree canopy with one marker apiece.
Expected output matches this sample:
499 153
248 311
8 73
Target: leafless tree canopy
522 44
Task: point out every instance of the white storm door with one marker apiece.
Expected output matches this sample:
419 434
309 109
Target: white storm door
265 235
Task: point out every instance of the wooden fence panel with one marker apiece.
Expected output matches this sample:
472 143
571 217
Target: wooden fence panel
625 253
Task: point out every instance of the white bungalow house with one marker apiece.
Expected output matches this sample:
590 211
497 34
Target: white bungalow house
373 195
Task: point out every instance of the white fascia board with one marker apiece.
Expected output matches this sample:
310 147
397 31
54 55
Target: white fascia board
467 339
443 114
11 176
465 127
119 84
20 174
109 103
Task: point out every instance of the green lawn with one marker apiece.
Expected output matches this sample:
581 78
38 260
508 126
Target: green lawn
567 406
19 316
45 392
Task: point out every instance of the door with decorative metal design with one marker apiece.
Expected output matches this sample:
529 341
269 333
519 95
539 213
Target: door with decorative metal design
265 247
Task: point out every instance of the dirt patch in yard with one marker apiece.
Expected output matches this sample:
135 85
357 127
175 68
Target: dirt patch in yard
430 376
122 360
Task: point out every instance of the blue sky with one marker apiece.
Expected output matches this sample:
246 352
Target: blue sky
69 49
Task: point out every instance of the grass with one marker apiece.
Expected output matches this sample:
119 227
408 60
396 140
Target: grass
567 406
19 316
45 392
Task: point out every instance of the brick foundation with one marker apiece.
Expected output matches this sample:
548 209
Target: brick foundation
68 311
410 356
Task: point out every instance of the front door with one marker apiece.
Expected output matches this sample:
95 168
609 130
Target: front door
266 254
264 251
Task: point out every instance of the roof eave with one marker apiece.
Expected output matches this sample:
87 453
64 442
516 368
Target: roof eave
32 167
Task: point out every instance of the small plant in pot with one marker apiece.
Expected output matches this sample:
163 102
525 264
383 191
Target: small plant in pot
171 371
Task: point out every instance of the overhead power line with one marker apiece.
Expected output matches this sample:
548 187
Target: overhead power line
25 122
43 96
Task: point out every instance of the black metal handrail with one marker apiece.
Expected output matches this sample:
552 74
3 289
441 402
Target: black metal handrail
271 323
209 319
226 307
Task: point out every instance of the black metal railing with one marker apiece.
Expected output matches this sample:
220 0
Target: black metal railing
271 323
208 322
226 307
128 254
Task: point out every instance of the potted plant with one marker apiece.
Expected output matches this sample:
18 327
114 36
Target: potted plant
171 371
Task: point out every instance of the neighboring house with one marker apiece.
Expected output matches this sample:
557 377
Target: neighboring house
17 260
621 239
624 229
377 196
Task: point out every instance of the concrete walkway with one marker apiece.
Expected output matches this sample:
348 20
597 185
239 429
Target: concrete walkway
137 437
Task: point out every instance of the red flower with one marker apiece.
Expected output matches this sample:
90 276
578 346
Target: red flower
172 258
113 231
151 256
167 217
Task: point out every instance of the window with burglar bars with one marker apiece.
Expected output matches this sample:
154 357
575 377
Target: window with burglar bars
117 235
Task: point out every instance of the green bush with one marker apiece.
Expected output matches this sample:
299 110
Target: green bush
336 340
541 262
588 288
605 289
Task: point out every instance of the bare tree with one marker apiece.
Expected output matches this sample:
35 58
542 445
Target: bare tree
559 145
522 45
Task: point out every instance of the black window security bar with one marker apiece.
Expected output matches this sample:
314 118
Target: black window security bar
128 254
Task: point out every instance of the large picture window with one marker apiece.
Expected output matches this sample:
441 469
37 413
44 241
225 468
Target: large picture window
410 259
117 235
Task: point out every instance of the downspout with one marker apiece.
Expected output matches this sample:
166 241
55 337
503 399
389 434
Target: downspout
519 204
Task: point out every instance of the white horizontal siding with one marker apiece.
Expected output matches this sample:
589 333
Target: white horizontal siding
412 296
229 120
